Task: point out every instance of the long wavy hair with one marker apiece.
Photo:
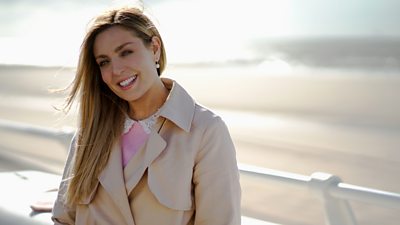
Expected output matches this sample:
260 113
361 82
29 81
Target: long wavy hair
101 112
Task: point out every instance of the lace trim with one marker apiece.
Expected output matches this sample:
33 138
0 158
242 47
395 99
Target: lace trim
147 124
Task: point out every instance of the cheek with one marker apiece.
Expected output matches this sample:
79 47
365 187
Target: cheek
106 77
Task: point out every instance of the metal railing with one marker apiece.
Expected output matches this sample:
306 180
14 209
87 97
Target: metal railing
333 193
63 135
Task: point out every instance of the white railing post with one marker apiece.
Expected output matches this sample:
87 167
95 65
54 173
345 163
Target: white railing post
337 211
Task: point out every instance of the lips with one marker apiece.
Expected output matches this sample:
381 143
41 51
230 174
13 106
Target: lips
127 82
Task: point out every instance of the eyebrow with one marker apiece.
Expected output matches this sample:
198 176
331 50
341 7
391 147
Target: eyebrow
117 49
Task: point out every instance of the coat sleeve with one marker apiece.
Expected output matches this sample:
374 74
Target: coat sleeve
62 214
216 178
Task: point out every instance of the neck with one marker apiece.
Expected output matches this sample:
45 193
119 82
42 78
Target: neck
148 104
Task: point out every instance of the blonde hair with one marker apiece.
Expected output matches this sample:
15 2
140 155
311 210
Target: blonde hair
102 113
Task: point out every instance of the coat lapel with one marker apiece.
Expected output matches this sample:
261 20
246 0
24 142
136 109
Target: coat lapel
137 166
112 180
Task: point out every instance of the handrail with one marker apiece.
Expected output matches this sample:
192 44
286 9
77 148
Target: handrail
291 179
63 135
367 195
331 191
339 190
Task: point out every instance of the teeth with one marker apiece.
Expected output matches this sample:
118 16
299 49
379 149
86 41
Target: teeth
127 81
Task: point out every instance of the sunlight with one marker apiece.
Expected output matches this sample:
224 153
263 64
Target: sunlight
219 30
54 40
193 31
275 66
40 51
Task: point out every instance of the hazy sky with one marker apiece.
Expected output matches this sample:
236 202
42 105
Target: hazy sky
49 32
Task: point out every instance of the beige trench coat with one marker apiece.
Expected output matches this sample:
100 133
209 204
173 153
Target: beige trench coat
185 174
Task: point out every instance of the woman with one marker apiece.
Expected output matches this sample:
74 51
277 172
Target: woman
145 153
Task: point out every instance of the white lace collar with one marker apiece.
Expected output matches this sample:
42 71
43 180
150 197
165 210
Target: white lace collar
147 123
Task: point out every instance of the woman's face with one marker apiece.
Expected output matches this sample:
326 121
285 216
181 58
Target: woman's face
127 65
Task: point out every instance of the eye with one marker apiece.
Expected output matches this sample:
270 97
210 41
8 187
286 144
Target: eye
103 63
126 52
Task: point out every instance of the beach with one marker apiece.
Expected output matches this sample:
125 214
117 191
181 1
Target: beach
345 123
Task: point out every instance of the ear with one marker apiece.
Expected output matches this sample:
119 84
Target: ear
156 47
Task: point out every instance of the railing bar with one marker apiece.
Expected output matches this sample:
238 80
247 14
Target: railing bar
275 175
61 135
368 195
31 129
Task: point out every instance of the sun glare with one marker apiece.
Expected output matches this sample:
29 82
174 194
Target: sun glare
54 40
193 31
219 30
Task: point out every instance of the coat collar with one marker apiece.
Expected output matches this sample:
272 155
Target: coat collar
179 106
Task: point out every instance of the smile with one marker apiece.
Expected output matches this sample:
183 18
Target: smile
127 82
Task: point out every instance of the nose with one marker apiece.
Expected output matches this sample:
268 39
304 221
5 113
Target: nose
117 67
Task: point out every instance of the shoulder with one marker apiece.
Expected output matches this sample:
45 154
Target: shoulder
208 121
183 110
205 116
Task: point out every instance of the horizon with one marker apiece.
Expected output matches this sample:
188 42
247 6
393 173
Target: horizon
367 54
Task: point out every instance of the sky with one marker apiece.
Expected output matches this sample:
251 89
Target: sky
49 32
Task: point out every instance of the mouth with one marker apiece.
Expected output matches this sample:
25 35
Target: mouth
127 82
